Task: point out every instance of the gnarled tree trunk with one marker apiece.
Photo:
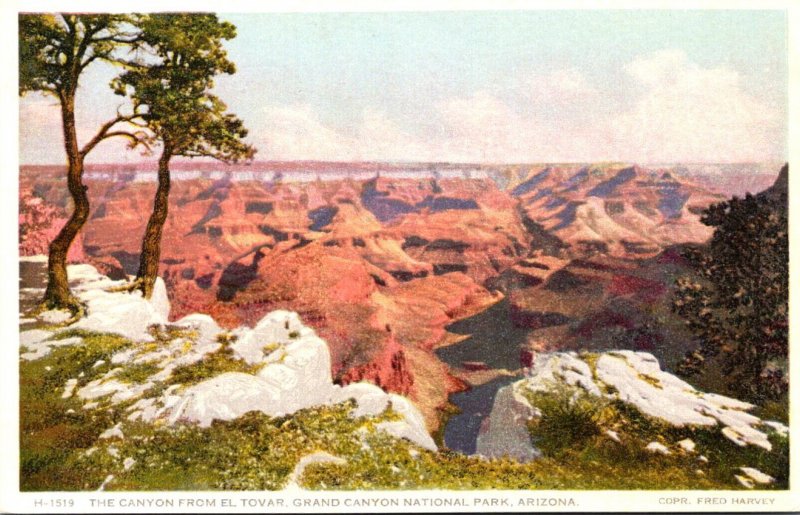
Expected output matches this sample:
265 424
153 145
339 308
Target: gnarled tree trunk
57 294
151 243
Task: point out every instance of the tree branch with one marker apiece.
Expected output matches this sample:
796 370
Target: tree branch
88 32
137 138
219 156
201 153
104 133
69 22
89 59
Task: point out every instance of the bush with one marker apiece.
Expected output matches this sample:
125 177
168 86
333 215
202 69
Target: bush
569 416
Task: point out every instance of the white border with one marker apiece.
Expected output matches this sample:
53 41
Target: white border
11 500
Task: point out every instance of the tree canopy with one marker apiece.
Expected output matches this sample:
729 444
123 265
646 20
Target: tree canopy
171 82
181 54
737 301
54 49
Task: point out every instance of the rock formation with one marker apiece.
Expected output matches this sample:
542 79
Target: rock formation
379 259
633 378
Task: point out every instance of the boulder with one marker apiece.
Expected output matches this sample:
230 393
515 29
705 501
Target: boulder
108 311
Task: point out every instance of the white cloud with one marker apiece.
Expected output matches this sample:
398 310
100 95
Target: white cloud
562 88
548 126
680 111
296 132
380 138
668 109
690 113
483 128
659 67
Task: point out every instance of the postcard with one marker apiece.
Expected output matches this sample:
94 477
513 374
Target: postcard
478 257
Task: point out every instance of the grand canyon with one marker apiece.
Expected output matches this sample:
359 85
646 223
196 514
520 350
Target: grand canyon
437 281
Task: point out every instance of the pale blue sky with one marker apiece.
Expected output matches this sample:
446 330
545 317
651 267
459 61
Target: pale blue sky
342 61
495 86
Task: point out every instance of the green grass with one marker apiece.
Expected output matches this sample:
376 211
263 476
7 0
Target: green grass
210 366
253 452
572 428
50 436
137 372
258 452
774 410
70 361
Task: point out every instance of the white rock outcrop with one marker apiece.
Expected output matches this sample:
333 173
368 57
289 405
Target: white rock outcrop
632 377
757 476
128 314
658 448
291 365
295 374
107 311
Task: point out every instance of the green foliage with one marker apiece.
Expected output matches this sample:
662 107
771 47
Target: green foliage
210 366
774 410
737 302
78 361
571 432
180 54
253 452
54 49
396 465
137 372
568 416
256 452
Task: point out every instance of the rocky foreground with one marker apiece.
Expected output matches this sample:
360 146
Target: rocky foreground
276 368
126 399
633 380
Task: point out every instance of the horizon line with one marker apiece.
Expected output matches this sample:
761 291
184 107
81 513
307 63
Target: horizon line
410 162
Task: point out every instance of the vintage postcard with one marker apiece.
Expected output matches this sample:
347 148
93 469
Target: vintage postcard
399 258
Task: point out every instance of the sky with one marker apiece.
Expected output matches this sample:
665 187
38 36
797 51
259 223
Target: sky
479 86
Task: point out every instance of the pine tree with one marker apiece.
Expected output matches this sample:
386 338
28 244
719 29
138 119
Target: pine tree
54 52
180 54
737 301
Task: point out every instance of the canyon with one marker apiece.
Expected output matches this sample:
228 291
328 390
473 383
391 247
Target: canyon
414 274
